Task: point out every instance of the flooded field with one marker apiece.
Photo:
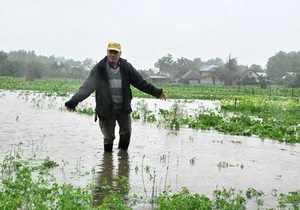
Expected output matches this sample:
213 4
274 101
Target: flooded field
158 158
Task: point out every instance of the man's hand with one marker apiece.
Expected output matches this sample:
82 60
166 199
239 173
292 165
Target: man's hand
70 106
70 109
163 96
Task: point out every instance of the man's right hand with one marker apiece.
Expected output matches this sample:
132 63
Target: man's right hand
70 106
70 109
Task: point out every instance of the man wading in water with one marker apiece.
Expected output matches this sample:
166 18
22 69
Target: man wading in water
111 79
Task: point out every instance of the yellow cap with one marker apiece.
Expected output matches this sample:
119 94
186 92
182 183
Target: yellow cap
114 46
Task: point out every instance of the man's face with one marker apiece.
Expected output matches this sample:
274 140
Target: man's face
113 56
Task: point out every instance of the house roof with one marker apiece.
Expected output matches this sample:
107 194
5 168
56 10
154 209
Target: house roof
208 68
191 74
159 77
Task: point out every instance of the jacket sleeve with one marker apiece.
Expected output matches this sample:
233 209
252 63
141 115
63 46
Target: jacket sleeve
85 90
140 83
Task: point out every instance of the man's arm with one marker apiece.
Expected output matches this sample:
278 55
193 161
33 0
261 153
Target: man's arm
86 89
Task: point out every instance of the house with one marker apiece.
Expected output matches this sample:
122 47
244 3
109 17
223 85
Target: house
191 77
288 78
207 75
160 78
251 77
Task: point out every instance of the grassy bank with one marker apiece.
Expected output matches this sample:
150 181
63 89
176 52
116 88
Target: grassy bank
174 91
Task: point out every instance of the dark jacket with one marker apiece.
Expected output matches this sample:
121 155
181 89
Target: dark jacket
98 81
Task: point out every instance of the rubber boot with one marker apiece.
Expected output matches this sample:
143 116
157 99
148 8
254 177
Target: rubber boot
108 147
123 145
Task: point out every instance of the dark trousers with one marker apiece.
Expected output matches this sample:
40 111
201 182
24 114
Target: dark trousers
108 127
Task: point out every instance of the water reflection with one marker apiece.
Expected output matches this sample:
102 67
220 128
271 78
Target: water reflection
112 177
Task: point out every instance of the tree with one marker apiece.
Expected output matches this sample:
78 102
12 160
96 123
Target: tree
182 66
277 66
281 63
229 73
214 61
198 63
3 63
256 68
88 63
296 81
164 64
35 70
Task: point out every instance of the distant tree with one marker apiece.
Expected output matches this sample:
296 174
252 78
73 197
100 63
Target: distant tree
22 55
256 68
164 64
214 61
37 66
296 82
230 71
8 67
55 66
77 72
218 73
182 66
88 63
3 63
295 61
198 63
281 63
3 57
277 66
35 70
12 69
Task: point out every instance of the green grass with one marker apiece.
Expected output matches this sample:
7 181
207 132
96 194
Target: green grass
174 91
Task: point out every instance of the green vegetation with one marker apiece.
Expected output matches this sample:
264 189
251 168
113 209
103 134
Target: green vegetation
174 91
246 116
181 91
251 116
24 186
59 87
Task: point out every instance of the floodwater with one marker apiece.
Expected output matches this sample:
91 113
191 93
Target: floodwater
202 161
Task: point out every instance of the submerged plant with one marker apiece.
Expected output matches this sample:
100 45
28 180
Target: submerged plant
290 200
183 200
229 199
257 194
24 187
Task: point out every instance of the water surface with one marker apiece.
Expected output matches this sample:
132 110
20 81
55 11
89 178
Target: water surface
157 158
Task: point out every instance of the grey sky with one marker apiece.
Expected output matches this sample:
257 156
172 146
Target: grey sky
249 30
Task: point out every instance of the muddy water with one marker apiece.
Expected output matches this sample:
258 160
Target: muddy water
157 158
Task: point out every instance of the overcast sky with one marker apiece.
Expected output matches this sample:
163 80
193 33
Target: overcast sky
249 30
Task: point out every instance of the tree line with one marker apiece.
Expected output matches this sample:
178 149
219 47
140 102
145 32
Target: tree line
27 64
230 72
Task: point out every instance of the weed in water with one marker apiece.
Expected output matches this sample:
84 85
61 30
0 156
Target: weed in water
192 161
290 200
25 187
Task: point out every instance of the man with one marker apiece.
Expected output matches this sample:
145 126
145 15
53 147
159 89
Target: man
111 79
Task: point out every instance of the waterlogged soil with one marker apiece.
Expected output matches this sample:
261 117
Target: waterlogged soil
158 158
